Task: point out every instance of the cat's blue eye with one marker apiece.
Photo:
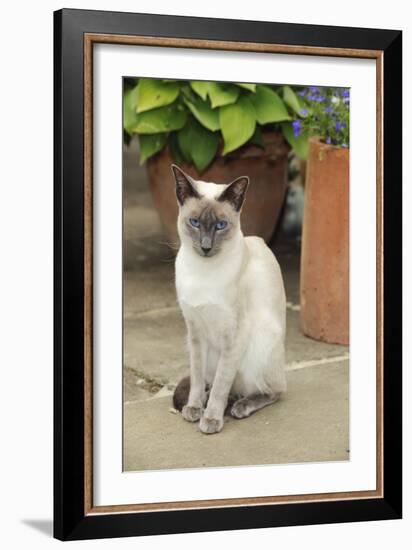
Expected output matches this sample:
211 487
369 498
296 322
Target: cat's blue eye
195 222
221 225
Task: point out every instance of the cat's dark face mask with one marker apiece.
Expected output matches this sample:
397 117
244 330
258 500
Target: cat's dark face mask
209 222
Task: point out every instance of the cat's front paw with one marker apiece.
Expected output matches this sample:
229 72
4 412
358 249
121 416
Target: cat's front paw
191 414
210 425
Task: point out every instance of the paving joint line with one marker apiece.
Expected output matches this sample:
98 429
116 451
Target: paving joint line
295 365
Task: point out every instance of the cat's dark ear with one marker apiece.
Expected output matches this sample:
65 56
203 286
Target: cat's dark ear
184 185
235 192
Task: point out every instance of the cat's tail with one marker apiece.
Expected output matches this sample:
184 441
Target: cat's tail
181 394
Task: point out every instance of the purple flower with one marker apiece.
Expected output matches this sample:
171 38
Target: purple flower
328 140
312 97
320 98
314 89
329 109
297 127
304 112
345 93
302 93
339 126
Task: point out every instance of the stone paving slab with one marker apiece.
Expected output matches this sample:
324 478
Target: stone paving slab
151 289
149 275
310 424
155 344
137 388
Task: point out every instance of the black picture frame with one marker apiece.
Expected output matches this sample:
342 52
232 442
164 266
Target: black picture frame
71 522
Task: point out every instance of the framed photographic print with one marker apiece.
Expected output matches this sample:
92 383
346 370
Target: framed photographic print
227 274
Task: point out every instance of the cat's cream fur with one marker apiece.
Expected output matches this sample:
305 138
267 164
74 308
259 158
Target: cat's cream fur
233 302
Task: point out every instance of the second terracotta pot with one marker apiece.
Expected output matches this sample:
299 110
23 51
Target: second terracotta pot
325 245
266 167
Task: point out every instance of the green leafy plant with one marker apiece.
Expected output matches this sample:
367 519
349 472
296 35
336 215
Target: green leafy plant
325 114
199 119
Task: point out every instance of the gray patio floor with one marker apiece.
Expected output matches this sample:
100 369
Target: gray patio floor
309 424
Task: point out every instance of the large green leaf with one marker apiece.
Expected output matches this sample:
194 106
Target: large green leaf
222 93
204 113
269 106
163 119
292 99
153 93
129 110
299 144
197 144
187 92
237 122
205 148
250 87
150 144
200 87
257 138
184 143
175 149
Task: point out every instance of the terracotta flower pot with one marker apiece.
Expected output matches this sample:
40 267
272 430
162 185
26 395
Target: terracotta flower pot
324 291
266 168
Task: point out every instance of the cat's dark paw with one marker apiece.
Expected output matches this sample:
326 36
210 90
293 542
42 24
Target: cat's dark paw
240 409
210 425
191 414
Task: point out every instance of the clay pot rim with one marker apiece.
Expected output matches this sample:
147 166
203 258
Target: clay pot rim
270 137
320 142
274 138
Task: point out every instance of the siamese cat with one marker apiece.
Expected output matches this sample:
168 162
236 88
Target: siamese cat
230 290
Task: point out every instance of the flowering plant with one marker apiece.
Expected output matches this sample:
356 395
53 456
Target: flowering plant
324 113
